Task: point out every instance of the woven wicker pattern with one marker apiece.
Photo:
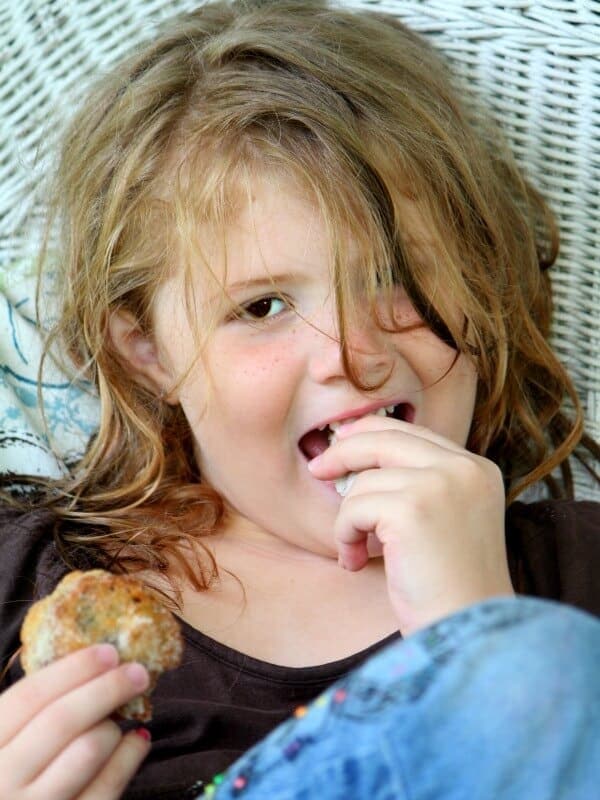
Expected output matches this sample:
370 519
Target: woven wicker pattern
536 63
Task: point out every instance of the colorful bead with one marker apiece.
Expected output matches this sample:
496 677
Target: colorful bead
301 711
340 695
292 749
218 779
239 782
209 790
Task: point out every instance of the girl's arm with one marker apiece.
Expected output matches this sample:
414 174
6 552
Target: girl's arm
56 739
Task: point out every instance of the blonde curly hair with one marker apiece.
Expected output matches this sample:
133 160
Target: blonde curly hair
363 113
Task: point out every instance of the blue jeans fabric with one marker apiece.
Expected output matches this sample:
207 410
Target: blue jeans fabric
497 702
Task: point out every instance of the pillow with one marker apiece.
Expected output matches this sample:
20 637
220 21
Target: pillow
33 443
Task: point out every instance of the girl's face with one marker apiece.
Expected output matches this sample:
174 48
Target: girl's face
269 380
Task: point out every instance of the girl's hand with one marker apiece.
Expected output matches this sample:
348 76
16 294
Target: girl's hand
436 509
56 741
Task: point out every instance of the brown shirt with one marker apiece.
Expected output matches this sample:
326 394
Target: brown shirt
219 702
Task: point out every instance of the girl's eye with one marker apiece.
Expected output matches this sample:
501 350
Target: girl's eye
264 308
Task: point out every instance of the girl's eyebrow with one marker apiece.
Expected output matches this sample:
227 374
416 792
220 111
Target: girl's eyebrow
269 280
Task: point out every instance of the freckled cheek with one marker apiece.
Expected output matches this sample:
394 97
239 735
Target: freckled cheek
255 385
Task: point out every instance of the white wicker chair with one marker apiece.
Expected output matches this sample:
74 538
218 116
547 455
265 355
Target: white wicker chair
536 63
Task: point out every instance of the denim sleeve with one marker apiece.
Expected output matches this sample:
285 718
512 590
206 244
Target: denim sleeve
500 701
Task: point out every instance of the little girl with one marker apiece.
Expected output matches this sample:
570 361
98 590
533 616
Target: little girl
312 293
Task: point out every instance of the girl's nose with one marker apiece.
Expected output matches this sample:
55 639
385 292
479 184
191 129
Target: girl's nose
368 347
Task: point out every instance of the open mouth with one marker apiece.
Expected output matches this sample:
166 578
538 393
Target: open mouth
318 440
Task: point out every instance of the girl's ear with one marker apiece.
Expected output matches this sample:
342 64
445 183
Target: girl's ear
140 352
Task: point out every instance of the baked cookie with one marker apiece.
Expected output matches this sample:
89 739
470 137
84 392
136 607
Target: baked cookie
91 607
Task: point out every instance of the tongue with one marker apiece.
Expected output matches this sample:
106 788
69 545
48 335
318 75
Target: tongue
314 443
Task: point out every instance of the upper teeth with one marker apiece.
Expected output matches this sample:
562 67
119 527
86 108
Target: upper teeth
381 412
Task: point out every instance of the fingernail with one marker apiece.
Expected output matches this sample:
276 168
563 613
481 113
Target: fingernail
314 463
144 733
341 562
137 675
107 654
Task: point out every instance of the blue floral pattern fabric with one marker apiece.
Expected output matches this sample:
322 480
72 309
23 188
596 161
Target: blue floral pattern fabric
32 442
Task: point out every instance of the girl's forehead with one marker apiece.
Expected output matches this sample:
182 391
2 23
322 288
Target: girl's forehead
274 224
270 223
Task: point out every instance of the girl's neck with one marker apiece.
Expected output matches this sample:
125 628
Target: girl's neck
288 606
241 540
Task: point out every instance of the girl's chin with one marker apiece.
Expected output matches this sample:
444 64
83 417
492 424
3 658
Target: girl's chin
374 546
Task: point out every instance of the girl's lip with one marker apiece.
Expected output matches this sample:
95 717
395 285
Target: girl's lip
356 413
